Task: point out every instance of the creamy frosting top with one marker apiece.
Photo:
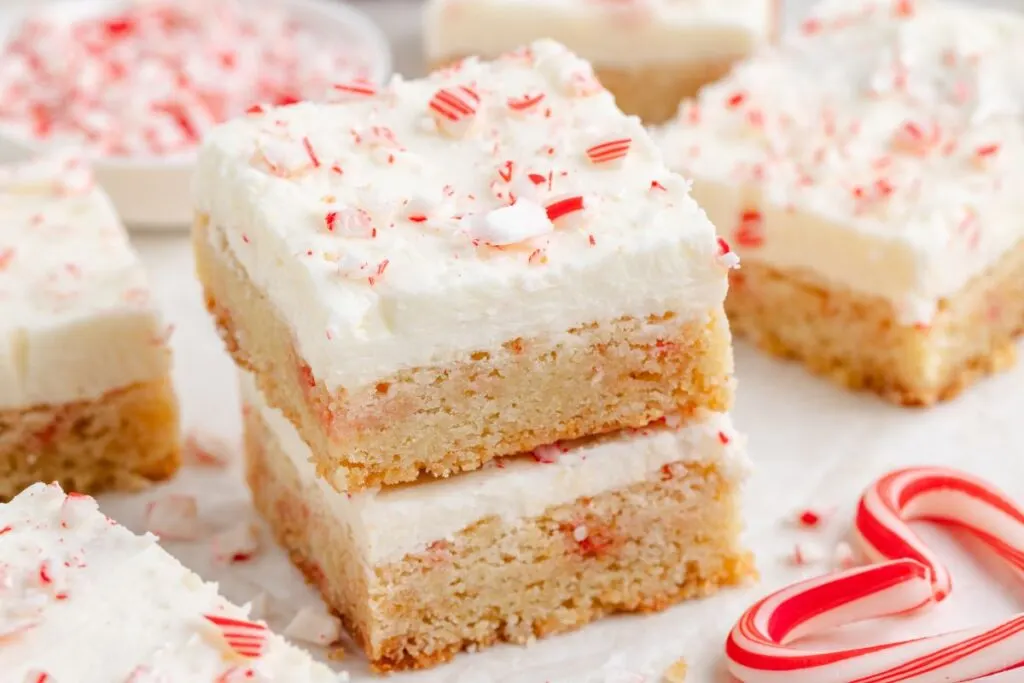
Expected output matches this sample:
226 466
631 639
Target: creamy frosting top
881 146
411 518
608 32
83 599
437 217
76 318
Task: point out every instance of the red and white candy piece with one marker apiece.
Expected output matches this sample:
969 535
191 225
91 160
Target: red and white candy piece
908 577
245 638
609 151
564 207
348 91
174 517
314 626
455 109
512 224
237 543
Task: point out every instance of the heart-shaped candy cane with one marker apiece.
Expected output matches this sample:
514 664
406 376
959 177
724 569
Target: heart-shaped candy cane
908 576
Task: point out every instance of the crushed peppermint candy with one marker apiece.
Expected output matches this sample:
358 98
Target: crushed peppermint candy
356 89
526 103
565 206
238 543
455 109
174 517
609 151
548 453
805 554
513 224
151 78
315 626
201 449
811 518
726 256
843 556
245 638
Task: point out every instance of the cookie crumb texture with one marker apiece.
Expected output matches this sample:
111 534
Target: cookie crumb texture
124 440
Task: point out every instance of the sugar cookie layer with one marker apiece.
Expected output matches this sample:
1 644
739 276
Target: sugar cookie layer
398 520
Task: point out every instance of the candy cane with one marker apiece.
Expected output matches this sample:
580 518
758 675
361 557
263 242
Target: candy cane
908 577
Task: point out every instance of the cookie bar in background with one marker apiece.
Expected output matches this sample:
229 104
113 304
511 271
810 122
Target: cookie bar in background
85 389
649 53
868 172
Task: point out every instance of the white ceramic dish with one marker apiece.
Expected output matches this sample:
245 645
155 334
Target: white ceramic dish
153 193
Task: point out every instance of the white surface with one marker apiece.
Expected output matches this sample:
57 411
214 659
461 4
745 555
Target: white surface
812 444
154 193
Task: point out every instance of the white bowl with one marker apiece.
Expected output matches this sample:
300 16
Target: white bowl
155 192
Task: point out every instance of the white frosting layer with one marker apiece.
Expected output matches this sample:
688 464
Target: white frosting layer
607 32
76 318
83 599
881 148
386 238
407 519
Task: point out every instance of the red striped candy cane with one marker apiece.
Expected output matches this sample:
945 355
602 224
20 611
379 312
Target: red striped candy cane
907 577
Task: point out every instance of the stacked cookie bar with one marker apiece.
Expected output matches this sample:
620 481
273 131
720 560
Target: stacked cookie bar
485 365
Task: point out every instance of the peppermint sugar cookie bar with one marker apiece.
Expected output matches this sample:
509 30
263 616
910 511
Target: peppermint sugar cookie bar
459 268
84 599
649 53
526 547
85 389
868 171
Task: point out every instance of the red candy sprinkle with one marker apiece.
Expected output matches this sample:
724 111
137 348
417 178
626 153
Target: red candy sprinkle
611 150
563 207
987 151
247 638
525 102
750 231
355 89
736 100
313 158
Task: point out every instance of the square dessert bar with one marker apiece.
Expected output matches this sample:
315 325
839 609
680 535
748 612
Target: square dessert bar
453 269
84 599
525 547
869 173
649 53
85 390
